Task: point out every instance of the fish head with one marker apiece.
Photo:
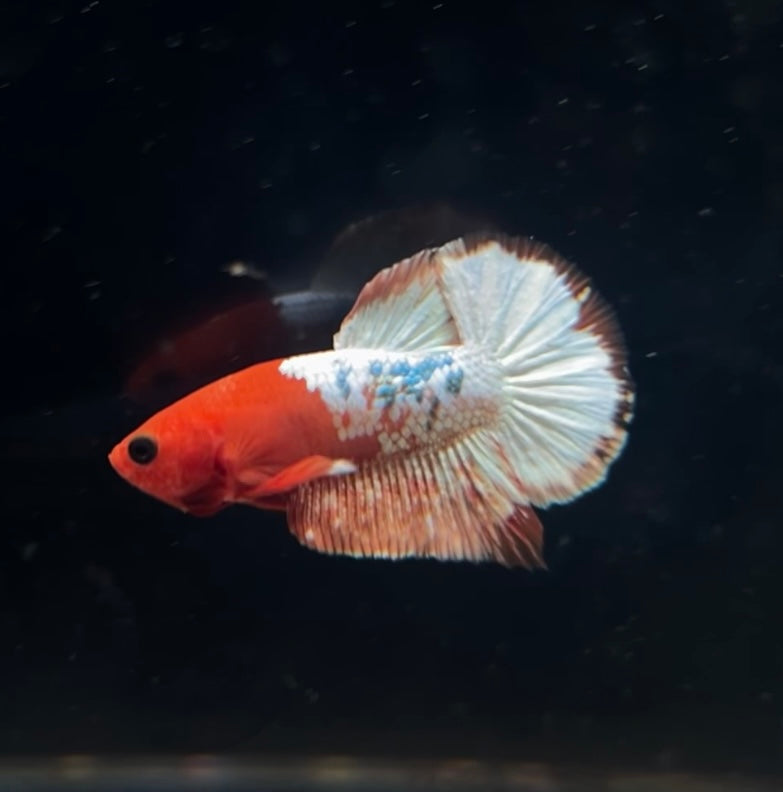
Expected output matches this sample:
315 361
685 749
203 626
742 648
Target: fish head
174 457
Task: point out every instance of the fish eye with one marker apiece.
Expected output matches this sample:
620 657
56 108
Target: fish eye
142 450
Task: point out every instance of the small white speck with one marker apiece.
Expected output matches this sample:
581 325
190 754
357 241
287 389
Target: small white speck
658 17
347 72
341 467
707 211
437 6
416 82
651 355
728 130
724 57
350 23
590 28
642 67
51 232
314 145
424 116
244 269
563 101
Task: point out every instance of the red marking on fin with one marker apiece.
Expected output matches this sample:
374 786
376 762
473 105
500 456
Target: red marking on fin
428 506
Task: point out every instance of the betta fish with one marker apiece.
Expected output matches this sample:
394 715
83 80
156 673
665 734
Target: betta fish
468 384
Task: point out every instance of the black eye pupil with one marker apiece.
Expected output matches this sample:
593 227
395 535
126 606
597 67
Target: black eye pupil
142 450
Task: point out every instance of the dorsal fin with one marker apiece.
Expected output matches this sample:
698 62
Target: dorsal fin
402 309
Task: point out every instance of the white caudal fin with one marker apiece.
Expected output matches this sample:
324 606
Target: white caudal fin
569 393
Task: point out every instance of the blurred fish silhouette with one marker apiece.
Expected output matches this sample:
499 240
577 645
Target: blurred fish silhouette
468 384
228 338
257 321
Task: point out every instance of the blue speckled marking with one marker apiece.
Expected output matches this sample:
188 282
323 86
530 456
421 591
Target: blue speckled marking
401 378
454 381
386 394
341 379
399 368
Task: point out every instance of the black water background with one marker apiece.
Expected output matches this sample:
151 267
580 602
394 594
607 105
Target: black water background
144 145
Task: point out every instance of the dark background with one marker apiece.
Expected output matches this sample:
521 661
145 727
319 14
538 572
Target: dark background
143 145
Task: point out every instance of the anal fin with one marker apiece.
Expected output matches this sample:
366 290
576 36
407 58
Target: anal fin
436 504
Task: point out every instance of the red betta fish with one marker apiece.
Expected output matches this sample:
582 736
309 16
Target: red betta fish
467 384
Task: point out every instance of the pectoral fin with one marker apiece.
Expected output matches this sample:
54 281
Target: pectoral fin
307 469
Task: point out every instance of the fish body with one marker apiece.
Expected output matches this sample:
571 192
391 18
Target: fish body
468 384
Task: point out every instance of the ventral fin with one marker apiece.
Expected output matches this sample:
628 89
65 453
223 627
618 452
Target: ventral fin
401 309
301 472
432 505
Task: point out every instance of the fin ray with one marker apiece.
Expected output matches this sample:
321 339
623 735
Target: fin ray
569 395
436 504
401 308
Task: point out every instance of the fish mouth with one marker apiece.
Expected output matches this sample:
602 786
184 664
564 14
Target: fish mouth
115 457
